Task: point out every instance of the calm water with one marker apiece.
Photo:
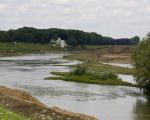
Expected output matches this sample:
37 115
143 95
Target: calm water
127 78
105 102
120 65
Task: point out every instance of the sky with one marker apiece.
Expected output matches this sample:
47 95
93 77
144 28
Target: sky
114 18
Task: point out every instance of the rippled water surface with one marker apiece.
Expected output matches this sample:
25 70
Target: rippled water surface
105 102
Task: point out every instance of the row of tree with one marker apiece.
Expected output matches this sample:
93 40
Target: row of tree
72 37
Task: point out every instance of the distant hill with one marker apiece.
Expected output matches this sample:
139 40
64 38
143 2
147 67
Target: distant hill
72 37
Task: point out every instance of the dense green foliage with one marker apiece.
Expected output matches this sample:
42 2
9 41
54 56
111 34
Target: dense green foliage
142 63
72 37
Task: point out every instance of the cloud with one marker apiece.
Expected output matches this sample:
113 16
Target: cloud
116 18
3 7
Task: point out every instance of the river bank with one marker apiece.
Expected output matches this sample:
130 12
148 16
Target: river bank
24 104
15 49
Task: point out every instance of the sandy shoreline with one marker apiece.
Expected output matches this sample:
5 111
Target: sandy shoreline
21 102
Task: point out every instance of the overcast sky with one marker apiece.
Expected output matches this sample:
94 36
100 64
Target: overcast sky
115 18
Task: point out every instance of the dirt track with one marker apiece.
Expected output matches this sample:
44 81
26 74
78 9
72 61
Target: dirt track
22 102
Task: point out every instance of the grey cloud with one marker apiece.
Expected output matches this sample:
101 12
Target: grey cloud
116 18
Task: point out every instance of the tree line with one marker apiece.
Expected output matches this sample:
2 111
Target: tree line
72 37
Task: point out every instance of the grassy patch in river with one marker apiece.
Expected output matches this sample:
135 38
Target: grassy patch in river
94 64
86 78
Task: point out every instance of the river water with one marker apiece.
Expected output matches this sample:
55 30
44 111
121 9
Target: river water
104 102
120 65
126 78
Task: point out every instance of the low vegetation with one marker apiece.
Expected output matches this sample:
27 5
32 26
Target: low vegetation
93 70
6 114
23 48
105 75
94 63
81 74
80 69
87 78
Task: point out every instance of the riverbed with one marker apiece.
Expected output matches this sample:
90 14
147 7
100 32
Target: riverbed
105 102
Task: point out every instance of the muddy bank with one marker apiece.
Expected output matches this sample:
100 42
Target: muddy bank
21 102
125 58
113 54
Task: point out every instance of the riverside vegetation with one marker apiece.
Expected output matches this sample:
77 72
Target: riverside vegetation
80 74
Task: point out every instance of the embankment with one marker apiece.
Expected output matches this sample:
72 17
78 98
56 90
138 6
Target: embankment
21 102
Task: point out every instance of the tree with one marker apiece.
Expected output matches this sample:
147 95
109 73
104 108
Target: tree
135 40
141 59
72 37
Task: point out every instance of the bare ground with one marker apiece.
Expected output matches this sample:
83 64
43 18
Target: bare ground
114 54
125 58
23 103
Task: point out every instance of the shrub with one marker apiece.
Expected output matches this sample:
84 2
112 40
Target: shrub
141 58
80 69
105 75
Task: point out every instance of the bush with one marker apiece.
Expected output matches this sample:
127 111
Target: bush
80 69
105 75
141 59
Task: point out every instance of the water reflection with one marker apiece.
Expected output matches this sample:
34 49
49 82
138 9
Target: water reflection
142 109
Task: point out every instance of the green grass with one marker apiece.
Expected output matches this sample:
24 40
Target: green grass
5 114
103 67
95 65
86 78
105 75
22 48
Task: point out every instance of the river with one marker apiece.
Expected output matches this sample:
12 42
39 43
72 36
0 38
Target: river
105 102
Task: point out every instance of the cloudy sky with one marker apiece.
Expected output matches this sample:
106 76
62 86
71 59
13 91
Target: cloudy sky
115 18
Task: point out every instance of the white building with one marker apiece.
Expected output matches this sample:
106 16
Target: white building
60 42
